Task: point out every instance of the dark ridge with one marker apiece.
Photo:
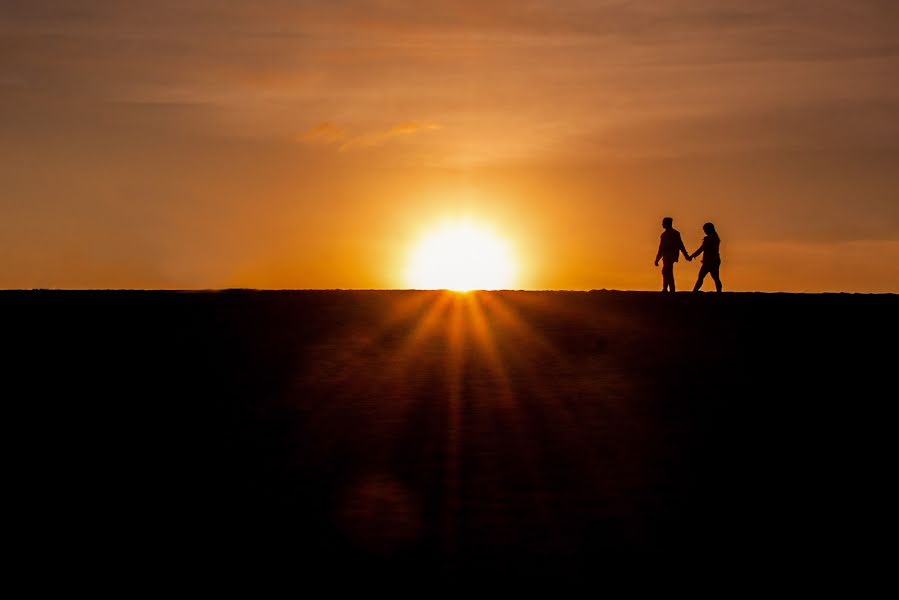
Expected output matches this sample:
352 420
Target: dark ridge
445 435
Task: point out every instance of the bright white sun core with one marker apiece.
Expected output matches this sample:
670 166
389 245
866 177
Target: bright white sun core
461 256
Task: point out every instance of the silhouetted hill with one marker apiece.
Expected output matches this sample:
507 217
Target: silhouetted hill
448 435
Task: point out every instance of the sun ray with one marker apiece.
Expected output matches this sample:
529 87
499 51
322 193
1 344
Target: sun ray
508 409
510 320
535 360
479 363
552 398
455 337
338 382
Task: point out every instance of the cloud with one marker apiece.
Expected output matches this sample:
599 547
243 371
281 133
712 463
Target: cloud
378 138
539 74
330 134
325 133
560 79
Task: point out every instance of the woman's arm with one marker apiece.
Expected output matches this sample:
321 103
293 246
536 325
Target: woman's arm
699 250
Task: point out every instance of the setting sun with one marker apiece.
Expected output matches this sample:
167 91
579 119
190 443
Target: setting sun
461 256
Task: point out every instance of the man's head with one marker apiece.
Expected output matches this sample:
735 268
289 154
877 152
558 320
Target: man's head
666 222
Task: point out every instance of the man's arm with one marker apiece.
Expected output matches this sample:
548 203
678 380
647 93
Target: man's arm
659 253
680 241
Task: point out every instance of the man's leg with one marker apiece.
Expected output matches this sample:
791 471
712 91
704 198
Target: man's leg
667 276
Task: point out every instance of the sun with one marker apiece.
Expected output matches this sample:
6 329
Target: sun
461 256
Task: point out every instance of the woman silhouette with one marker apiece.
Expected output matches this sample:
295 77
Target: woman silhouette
711 258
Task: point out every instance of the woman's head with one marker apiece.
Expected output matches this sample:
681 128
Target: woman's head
709 228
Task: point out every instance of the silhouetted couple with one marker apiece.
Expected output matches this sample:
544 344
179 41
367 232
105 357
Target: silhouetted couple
671 246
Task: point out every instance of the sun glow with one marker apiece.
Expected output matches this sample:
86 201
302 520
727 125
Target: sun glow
461 256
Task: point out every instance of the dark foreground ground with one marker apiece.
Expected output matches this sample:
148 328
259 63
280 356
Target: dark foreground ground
443 435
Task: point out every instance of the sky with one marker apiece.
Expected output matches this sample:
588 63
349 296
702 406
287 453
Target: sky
309 144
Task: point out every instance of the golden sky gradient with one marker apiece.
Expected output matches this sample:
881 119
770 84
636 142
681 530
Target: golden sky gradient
308 144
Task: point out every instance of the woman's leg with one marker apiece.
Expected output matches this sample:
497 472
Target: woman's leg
702 271
714 271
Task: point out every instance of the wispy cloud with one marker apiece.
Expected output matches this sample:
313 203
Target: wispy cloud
325 133
542 75
330 134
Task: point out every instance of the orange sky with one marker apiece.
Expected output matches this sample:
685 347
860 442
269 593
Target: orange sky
292 144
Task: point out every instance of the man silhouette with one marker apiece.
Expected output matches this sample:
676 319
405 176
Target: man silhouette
670 247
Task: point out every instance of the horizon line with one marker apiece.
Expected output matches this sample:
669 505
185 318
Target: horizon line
341 289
